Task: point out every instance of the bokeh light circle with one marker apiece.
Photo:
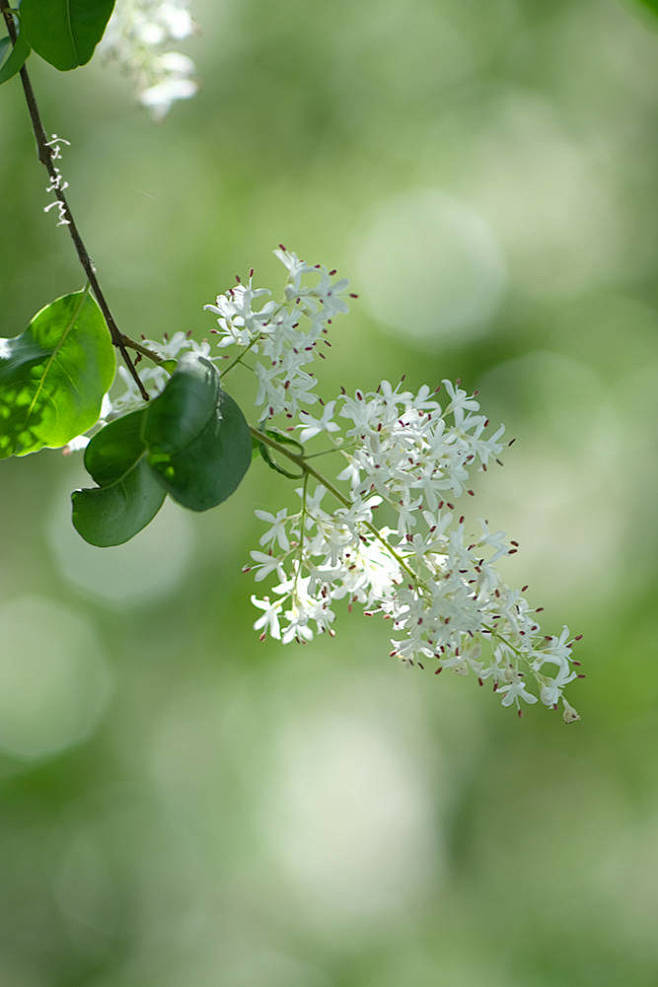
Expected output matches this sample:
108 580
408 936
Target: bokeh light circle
54 680
430 268
350 822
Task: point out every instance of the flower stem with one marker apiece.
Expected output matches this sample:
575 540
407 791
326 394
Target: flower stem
308 470
238 358
144 350
302 534
45 157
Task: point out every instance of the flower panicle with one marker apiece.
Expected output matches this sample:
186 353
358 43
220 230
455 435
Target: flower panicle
398 544
389 532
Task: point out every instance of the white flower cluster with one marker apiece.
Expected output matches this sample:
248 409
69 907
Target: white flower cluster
405 458
138 37
286 333
408 458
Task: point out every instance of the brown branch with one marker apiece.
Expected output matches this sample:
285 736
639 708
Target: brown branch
133 344
46 159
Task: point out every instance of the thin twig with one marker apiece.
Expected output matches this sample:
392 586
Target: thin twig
238 358
133 344
45 157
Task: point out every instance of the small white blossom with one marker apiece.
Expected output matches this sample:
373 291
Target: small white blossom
264 565
310 427
516 690
277 531
269 622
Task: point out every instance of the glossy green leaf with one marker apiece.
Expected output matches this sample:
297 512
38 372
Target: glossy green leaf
199 442
191 442
53 376
185 406
128 496
15 56
65 32
116 448
651 4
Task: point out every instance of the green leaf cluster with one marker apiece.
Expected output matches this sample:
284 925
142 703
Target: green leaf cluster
54 375
192 442
63 32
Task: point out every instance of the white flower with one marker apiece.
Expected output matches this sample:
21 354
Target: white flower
514 691
277 531
459 402
551 689
311 427
269 622
265 565
158 98
296 267
170 348
284 335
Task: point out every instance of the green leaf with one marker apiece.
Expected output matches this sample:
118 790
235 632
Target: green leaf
128 496
191 442
53 376
17 55
185 406
116 448
65 32
283 438
199 442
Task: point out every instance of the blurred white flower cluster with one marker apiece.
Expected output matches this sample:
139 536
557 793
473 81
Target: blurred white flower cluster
407 458
139 36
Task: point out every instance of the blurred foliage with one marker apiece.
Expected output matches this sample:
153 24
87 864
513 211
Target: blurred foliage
181 805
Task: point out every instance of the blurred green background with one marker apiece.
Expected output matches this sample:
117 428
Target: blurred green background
181 805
